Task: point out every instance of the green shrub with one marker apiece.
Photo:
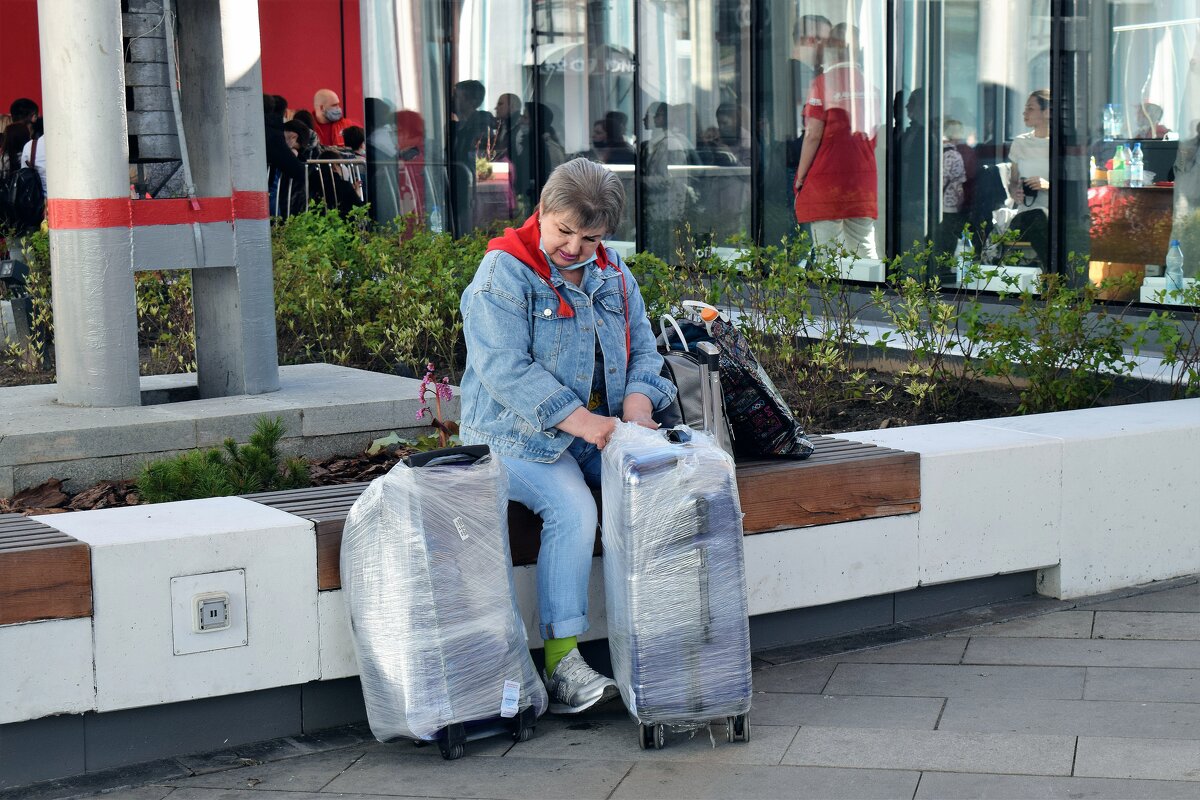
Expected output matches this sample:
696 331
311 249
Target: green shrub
931 324
1179 336
1060 348
166 327
34 356
229 470
358 294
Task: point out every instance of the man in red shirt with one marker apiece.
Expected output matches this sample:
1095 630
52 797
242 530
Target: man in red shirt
330 118
836 180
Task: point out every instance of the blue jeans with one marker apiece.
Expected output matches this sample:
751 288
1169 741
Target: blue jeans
559 493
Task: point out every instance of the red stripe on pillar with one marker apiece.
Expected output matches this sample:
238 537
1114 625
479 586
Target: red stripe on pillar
109 212
121 212
181 212
251 205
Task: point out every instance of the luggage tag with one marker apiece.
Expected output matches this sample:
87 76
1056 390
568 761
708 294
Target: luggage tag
512 696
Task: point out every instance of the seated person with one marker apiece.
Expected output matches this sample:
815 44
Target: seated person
1029 186
1149 122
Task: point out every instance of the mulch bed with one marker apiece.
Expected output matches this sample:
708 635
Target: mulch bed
51 498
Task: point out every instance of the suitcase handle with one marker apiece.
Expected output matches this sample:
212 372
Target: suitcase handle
678 436
466 454
711 353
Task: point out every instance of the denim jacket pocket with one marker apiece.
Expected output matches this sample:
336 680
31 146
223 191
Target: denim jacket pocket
547 328
613 303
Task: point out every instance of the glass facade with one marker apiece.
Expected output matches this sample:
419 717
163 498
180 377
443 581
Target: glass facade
886 127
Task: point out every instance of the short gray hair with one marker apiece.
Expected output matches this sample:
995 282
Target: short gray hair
589 194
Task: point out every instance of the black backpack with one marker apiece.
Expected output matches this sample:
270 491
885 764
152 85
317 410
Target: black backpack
24 203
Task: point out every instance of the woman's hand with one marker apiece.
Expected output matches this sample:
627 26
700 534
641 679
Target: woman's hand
592 428
1036 182
638 408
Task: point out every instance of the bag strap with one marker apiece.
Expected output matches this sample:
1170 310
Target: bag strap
664 325
32 154
697 308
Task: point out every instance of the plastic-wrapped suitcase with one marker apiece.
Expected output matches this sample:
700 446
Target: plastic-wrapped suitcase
427 577
675 582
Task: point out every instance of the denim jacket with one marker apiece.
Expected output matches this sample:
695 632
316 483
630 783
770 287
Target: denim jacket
528 367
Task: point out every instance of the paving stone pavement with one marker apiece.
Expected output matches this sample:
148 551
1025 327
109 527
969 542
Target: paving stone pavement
1094 699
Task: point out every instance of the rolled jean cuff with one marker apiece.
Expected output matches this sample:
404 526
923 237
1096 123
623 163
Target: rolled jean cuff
564 628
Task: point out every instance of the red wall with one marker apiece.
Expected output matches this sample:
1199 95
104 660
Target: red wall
20 69
302 51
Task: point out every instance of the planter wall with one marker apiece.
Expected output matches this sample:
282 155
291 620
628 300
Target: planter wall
1096 499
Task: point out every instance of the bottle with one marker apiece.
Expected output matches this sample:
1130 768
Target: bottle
1136 167
435 219
964 254
1174 267
1116 175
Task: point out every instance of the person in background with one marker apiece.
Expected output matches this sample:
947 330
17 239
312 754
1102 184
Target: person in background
14 139
668 192
410 139
508 126
914 147
470 128
1149 122
22 113
617 149
541 150
809 35
281 105
356 141
282 161
28 158
559 349
1029 184
836 180
329 118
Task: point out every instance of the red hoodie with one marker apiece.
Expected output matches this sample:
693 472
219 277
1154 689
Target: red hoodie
525 245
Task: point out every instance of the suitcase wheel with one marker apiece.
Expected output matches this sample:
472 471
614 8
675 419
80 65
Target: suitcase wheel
524 725
737 729
652 737
452 741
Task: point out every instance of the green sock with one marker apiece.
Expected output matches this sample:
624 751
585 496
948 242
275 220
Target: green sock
556 649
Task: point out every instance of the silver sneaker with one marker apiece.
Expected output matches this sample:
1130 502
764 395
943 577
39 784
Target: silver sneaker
576 687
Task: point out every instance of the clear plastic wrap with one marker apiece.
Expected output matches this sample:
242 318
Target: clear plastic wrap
427 578
675 577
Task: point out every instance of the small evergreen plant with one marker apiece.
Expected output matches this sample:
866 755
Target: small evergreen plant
228 470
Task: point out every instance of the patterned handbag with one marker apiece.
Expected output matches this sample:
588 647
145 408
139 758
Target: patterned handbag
761 421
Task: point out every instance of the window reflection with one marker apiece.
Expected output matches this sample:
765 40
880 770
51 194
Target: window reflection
836 179
1145 182
694 139
821 120
968 72
405 111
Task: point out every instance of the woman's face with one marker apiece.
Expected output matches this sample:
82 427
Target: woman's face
1035 116
293 141
566 243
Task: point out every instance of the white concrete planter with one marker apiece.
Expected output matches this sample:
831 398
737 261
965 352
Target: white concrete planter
1096 499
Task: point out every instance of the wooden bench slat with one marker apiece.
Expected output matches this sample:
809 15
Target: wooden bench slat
20 542
40 583
844 491
842 481
27 526
44 573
